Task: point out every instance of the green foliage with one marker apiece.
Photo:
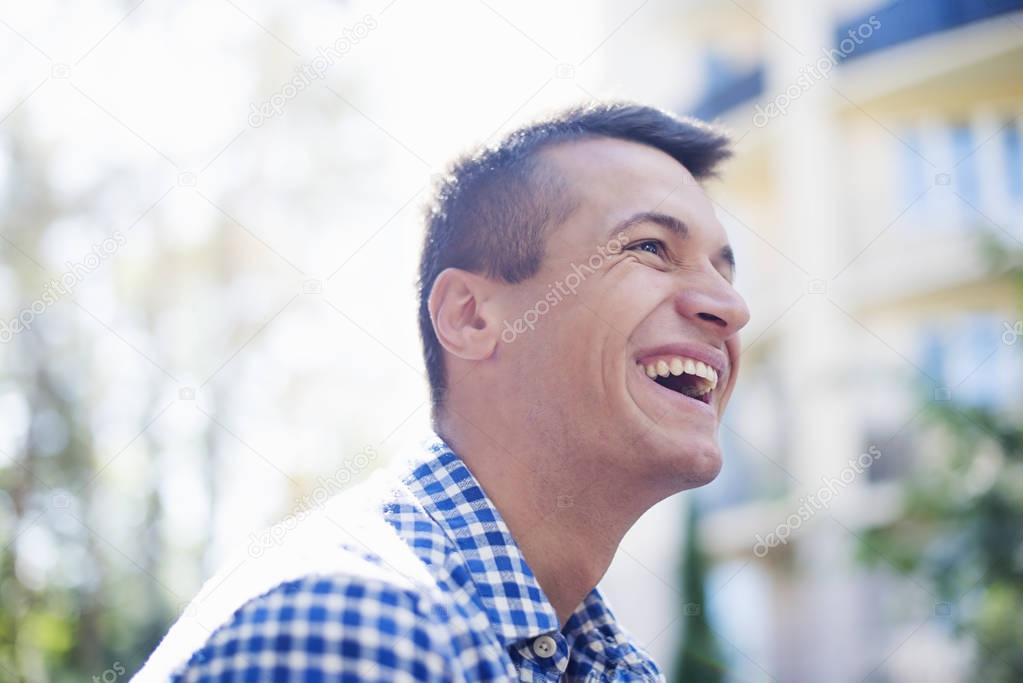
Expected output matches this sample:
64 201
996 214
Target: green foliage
961 531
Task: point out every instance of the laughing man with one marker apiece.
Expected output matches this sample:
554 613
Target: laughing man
580 332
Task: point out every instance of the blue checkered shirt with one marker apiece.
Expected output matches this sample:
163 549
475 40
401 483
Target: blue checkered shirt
416 582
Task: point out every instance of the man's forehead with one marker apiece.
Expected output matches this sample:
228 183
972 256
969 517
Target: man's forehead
616 161
611 179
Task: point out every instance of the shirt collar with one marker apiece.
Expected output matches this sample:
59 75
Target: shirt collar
517 607
451 495
599 643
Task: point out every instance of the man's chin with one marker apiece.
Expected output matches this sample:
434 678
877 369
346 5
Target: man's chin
685 460
705 467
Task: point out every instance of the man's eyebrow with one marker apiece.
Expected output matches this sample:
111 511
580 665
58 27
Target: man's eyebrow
664 220
673 224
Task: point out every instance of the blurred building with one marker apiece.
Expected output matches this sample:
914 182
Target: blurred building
876 142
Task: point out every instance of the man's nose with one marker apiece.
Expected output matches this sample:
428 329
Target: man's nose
713 305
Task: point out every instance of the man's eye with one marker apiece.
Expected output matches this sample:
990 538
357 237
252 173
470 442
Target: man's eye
655 247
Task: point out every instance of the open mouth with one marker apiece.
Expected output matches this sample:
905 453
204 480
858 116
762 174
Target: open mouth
686 376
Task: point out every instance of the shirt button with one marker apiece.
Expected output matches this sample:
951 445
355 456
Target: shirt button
544 646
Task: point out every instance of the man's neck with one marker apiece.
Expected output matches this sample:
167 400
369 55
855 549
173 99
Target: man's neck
567 521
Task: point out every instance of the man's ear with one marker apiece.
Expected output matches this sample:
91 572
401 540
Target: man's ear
465 314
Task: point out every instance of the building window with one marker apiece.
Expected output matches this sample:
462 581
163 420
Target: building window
967 356
1013 147
964 175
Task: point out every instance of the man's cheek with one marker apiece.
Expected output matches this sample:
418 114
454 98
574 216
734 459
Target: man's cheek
627 302
734 348
733 345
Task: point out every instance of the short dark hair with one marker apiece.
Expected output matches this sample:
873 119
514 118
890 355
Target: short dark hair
491 210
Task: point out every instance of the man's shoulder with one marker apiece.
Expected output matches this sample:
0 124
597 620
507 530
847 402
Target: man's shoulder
356 567
355 627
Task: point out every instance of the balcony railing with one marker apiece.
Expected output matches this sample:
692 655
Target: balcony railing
730 91
900 21
905 20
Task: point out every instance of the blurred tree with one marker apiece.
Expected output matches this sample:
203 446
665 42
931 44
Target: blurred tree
92 569
699 658
961 531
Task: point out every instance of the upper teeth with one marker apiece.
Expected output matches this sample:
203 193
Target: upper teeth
677 365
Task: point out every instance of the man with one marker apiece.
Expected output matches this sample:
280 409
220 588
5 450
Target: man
580 329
